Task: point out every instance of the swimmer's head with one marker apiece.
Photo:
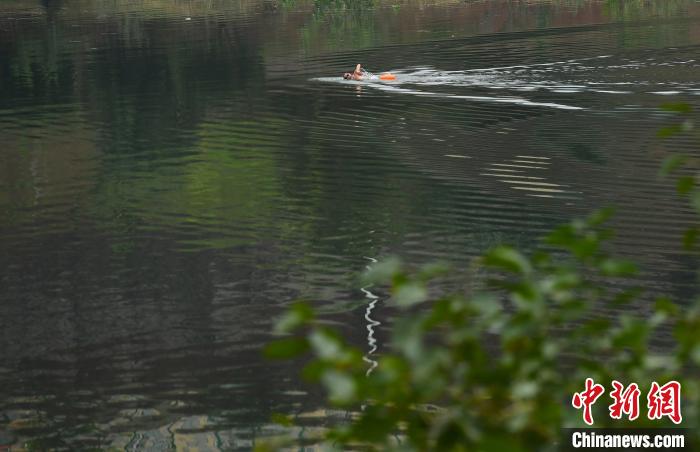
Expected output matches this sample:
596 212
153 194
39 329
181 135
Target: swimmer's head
347 76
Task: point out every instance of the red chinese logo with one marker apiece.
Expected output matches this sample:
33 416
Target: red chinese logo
626 401
665 401
587 398
662 401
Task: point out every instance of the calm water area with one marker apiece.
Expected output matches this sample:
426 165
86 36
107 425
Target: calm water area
173 174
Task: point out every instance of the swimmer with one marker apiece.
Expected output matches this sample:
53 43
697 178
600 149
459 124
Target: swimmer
356 75
360 74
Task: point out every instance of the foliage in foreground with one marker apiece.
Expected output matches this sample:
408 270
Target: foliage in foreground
496 369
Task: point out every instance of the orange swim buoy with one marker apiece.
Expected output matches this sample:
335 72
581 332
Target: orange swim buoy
387 76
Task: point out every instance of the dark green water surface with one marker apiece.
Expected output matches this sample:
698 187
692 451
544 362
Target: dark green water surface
174 173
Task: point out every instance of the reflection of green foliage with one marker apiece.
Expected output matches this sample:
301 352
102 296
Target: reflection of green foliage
222 187
340 28
636 9
356 5
35 67
658 37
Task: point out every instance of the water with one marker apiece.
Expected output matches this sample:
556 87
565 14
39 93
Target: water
174 174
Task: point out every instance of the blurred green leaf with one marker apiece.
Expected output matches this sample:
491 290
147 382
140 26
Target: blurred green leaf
433 270
383 272
671 163
524 293
626 296
664 304
375 424
341 387
282 419
695 200
695 354
508 259
487 304
299 314
562 236
327 345
690 238
524 389
677 107
633 333
618 267
669 131
685 184
408 337
600 216
585 247
313 370
286 348
410 294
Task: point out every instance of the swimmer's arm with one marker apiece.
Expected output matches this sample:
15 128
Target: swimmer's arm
358 72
